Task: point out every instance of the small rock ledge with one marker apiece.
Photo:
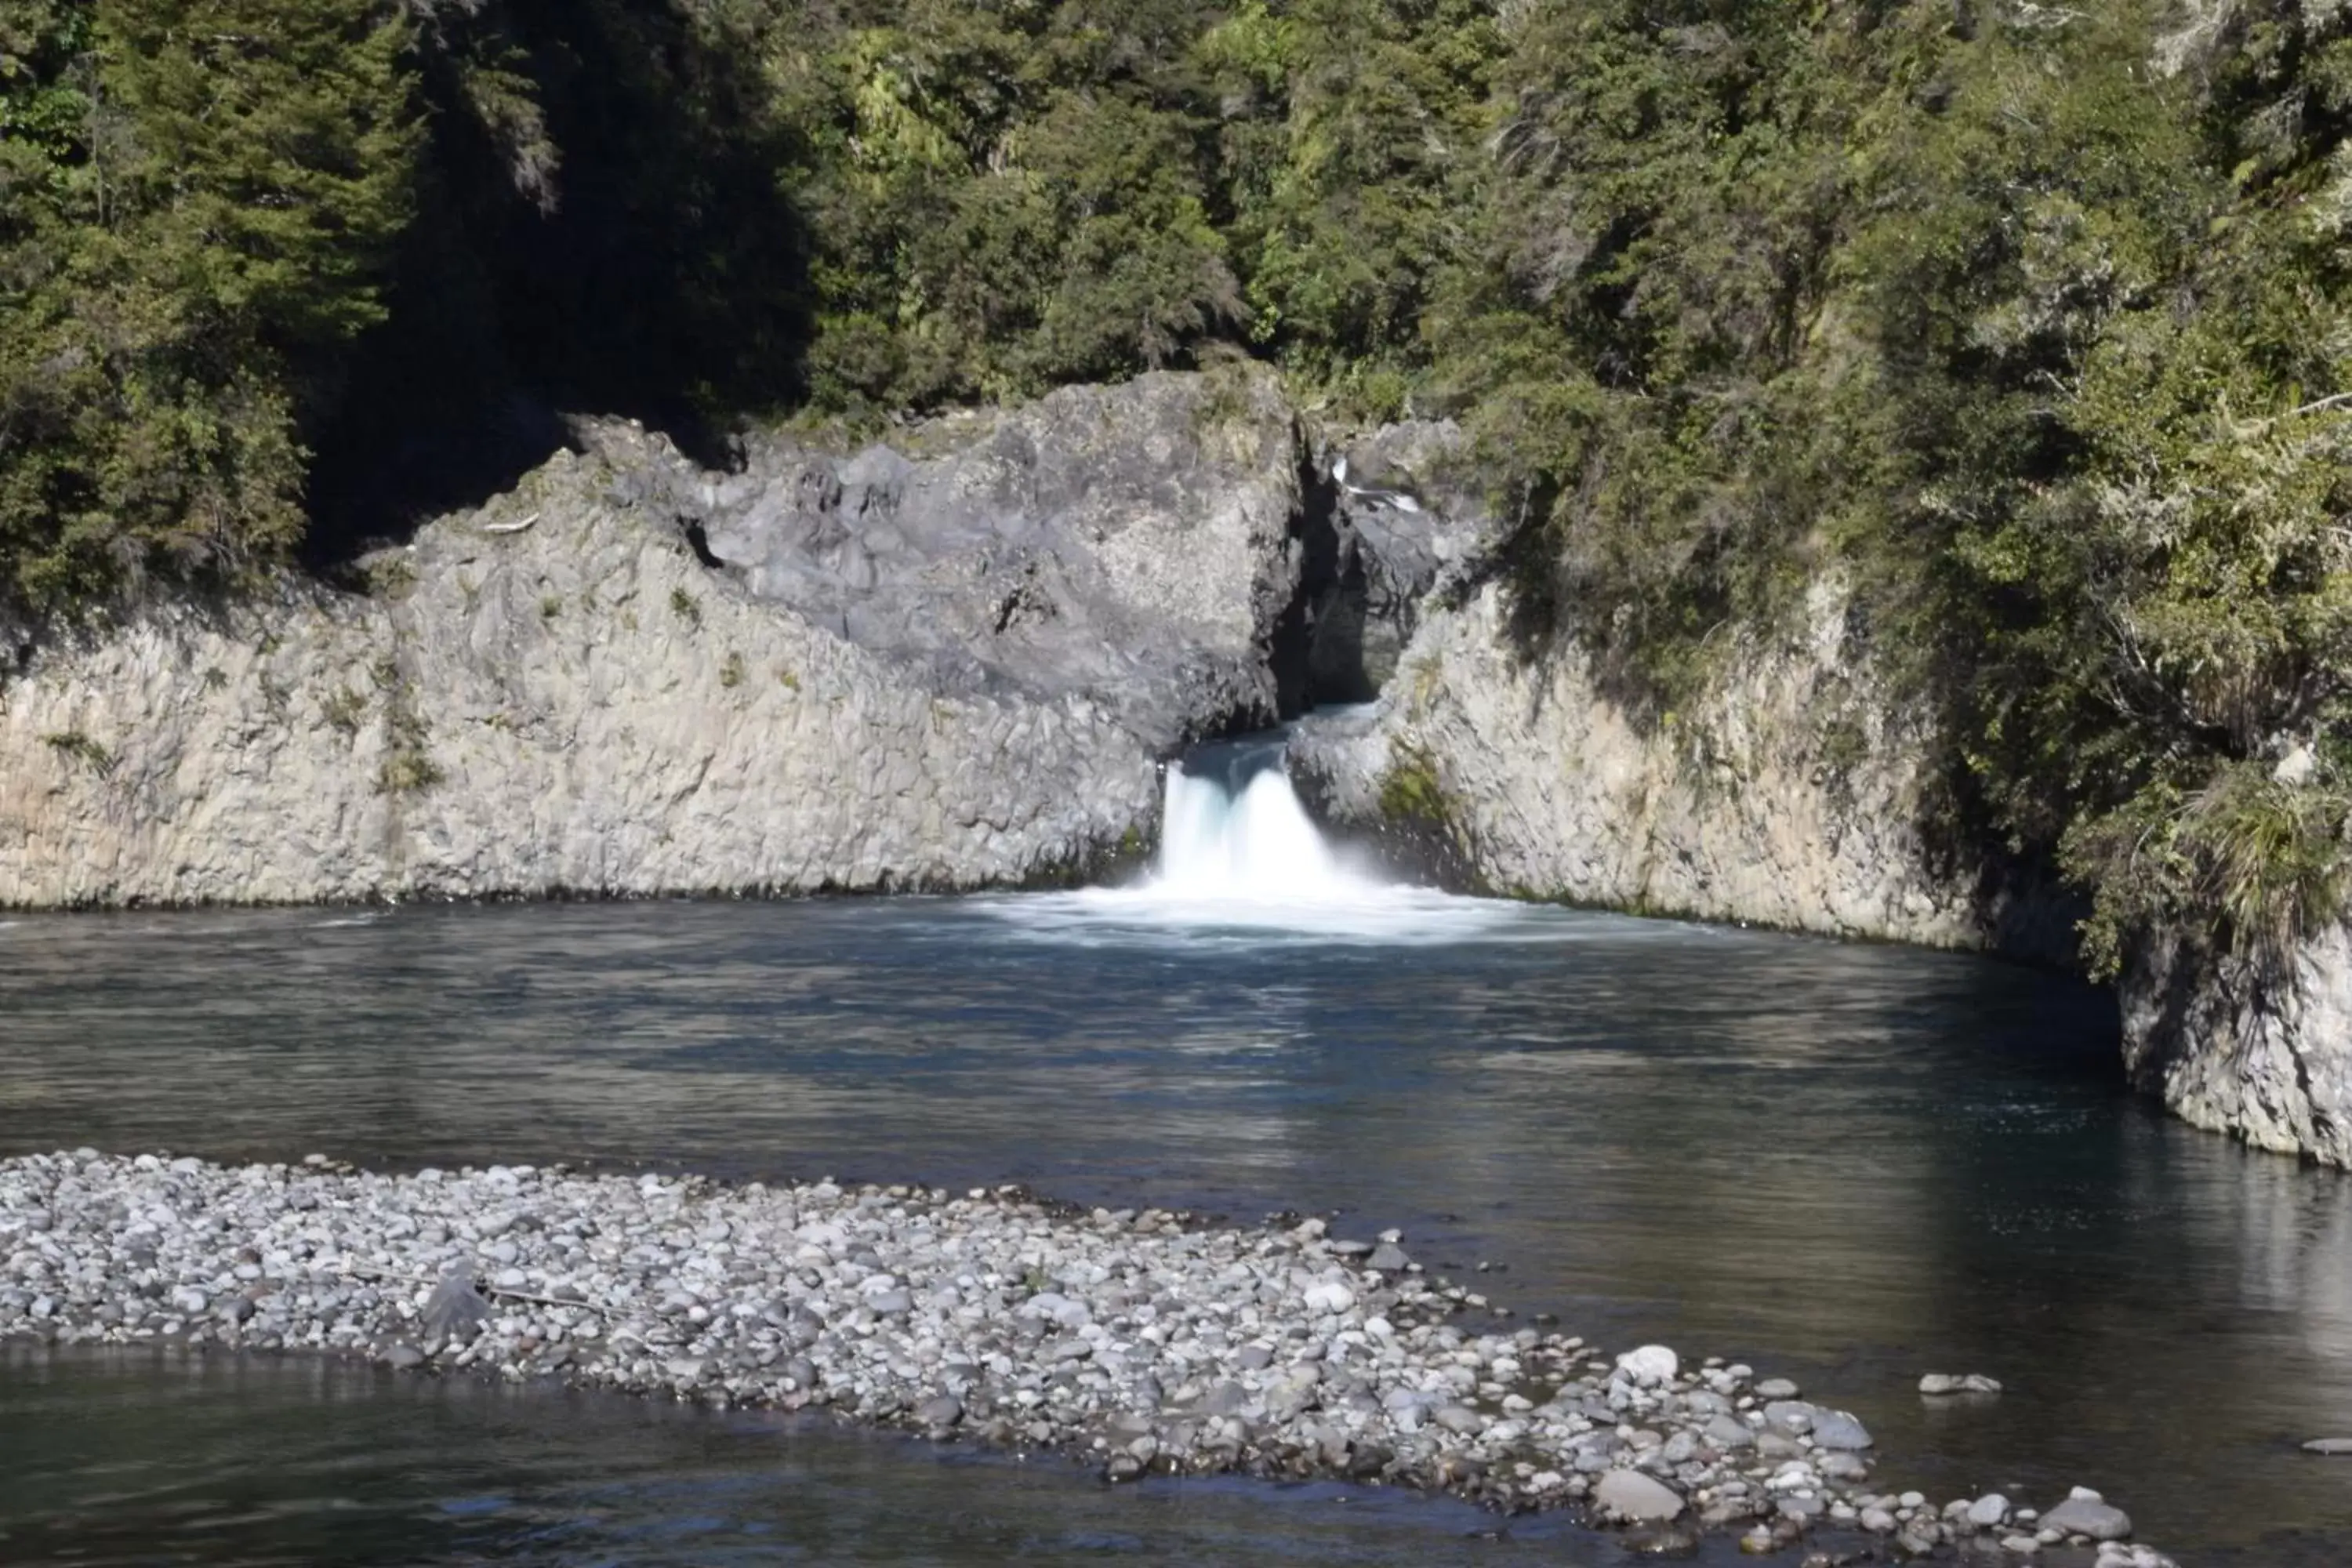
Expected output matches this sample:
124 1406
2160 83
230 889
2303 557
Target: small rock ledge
1140 1343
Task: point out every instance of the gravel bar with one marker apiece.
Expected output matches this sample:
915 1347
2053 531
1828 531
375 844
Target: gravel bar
1142 1341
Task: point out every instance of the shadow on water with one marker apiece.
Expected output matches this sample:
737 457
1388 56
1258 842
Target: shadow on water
130 1457
1853 1164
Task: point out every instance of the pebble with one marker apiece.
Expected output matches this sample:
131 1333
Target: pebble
1146 1343
1937 1384
1633 1498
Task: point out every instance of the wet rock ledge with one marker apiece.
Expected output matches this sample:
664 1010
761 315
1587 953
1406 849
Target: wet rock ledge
1142 1341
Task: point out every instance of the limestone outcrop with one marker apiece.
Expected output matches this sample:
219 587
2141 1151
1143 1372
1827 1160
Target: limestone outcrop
1137 546
1791 796
1405 510
2258 1044
947 663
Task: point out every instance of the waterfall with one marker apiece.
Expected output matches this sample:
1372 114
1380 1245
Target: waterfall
1241 863
1254 843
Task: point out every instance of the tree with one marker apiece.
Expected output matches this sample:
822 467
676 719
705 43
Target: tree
202 197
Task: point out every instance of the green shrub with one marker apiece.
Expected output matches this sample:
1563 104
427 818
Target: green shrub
408 767
343 710
1412 790
80 748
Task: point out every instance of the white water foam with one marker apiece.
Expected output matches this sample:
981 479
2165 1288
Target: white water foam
1252 864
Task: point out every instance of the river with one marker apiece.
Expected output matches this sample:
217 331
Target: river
1851 1163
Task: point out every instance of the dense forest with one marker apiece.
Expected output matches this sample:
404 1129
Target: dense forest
2028 322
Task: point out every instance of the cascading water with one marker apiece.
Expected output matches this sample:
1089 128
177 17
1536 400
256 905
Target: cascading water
1239 833
1240 856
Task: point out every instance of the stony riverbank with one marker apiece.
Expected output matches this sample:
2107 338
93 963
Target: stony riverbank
1140 1341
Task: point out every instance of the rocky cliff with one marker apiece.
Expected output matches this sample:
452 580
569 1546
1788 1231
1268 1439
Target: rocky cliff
1793 796
2254 1044
958 658
948 662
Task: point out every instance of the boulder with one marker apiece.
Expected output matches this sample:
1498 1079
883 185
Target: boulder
2086 1513
456 1310
1631 1498
1837 1430
1729 1432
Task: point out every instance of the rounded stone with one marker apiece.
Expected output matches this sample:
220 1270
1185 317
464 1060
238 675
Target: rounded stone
1630 1497
2088 1516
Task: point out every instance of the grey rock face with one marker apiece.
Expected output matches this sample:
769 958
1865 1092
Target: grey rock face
1790 797
2247 1044
1406 512
1135 544
949 665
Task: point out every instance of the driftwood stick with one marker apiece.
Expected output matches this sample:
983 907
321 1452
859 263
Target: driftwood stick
385 1277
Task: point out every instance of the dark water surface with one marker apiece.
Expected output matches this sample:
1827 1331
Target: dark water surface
1852 1165
132 1458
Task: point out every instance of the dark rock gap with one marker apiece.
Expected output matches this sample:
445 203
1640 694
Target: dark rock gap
1317 656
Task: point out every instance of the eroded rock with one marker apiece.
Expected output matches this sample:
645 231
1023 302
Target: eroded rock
949 665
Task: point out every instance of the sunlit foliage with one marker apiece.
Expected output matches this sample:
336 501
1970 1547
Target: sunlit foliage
2025 322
